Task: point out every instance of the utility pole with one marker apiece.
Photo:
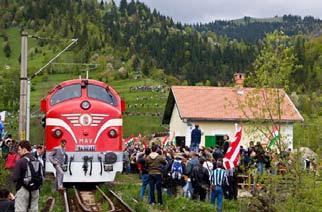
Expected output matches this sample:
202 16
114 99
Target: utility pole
23 86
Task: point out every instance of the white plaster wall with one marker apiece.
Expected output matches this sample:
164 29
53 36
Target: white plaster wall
221 128
177 126
287 135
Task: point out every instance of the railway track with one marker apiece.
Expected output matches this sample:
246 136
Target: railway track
94 199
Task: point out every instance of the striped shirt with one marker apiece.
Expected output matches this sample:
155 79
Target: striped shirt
218 177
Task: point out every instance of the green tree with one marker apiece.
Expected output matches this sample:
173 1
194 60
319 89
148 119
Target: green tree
275 62
263 105
123 6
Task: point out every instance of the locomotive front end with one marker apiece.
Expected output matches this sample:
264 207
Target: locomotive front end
88 115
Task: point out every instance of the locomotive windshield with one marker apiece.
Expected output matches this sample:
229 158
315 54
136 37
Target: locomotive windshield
100 93
66 93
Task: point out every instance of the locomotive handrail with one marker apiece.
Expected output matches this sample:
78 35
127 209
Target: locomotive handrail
91 162
101 164
70 164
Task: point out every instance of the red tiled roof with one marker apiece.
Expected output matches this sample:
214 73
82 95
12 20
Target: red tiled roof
227 103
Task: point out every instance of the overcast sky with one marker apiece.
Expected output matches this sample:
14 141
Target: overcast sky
192 11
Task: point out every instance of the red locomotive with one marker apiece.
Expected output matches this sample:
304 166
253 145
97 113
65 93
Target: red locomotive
88 114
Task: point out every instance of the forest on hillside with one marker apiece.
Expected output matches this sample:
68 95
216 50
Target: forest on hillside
147 40
151 40
251 29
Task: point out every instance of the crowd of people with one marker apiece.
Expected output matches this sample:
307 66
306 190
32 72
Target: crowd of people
194 172
26 166
158 88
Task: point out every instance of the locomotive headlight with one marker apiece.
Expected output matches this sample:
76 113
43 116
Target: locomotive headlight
85 105
112 133
57 133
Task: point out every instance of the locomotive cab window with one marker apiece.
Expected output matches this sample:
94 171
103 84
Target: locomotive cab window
66 93
100 93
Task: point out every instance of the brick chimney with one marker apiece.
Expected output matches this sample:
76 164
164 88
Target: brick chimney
239 79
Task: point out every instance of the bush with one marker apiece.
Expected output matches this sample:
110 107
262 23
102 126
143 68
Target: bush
298 190
4 173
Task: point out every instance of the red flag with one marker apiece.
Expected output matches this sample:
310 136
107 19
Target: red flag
231 157
145 145
164 140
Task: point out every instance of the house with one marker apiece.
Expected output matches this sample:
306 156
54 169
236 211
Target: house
222 110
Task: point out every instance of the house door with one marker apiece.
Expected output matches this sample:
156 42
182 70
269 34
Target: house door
181 141
219 140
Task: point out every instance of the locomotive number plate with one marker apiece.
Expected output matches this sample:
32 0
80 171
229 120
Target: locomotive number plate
108 168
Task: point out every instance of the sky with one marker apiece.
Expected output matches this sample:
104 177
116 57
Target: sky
194 11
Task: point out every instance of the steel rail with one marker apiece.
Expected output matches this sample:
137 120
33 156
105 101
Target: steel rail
120 204
66 201
81 204
107 198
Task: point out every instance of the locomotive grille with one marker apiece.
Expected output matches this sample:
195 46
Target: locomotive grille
78 120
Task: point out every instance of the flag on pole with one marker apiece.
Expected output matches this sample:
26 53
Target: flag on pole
129 141
165 141
273 137
173 138
232 155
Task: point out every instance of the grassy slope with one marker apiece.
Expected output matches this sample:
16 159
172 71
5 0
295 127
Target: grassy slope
35 60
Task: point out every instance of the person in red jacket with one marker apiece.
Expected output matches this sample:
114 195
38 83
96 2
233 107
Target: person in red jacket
11 160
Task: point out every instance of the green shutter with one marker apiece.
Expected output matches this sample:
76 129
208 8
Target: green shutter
210 141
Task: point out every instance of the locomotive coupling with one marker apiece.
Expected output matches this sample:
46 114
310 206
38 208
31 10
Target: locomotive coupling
85 164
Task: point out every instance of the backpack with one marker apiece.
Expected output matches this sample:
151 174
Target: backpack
176 170
33 178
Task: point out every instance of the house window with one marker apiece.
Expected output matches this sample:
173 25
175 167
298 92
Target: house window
210 141
213 140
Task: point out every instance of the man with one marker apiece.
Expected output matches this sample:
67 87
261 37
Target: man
57 158
193 162
154 164
195 138
218 178
4 149
226 144
7 203
126 162
218 153
200 181
260 155
39 154
24 173
144 172
176 170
